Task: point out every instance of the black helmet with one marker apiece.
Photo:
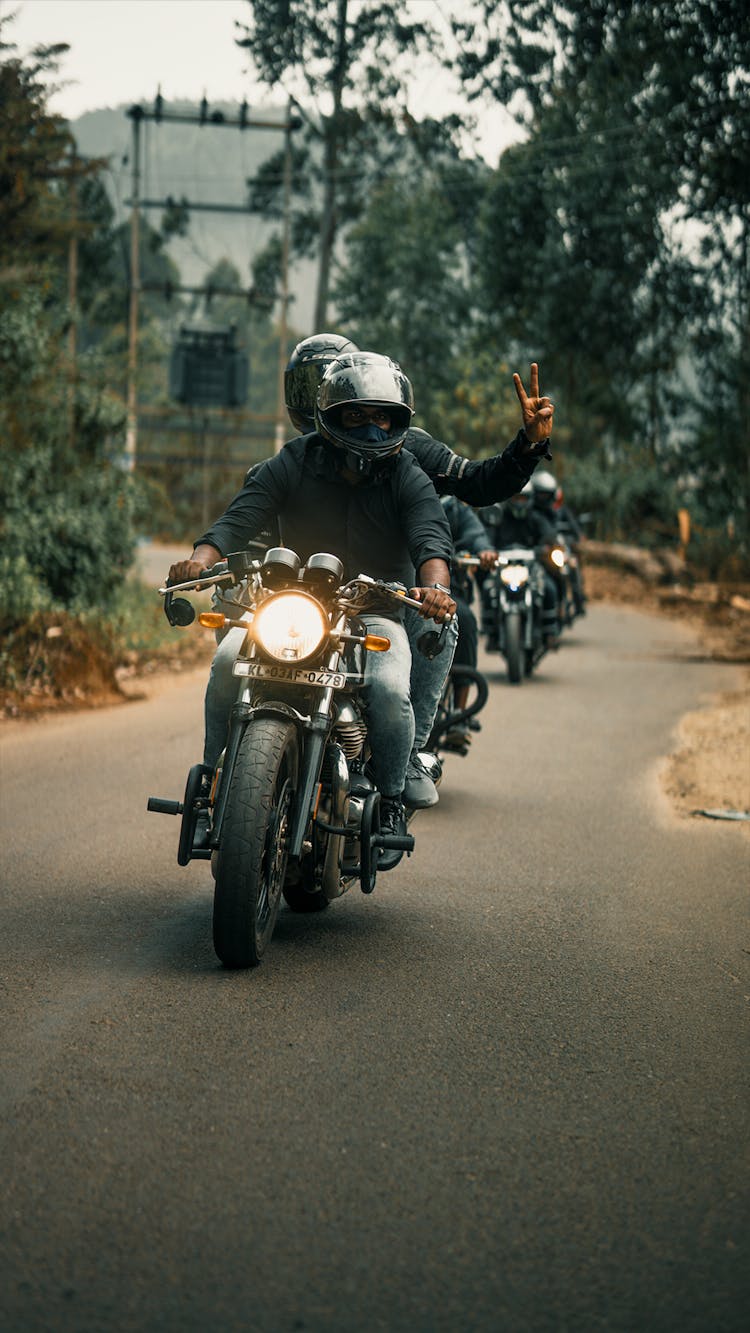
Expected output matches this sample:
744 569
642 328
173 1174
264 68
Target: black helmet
545 489
519 504
304 371
368 380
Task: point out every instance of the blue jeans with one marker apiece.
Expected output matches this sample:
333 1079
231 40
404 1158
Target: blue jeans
392 680
427 677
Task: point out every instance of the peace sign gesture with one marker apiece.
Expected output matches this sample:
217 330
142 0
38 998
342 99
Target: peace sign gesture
537 412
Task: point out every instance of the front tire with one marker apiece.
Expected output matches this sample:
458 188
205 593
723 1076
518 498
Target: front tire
514 649
251 862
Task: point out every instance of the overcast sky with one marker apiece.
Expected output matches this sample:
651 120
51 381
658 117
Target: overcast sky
122 50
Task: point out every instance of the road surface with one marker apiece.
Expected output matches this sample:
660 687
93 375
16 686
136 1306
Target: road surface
506 1092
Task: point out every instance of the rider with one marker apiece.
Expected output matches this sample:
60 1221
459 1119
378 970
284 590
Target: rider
518 523
477 482
469 536
549 500
348 488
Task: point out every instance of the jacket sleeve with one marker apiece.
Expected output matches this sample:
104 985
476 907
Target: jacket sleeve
470 533
427 528
260 499
476 481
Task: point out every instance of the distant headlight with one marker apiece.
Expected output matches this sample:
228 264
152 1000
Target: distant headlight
557 556
514 574
290 627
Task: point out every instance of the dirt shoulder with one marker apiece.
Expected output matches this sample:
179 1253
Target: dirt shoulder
709 768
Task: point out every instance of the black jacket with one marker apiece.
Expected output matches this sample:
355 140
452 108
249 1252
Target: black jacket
469 536
475 481
531 529
385 528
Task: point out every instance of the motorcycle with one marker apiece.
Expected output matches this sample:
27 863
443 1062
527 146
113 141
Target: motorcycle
560 561
512 615
294 812
448 735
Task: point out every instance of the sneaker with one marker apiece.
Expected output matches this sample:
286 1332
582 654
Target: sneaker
392 821
420 791
458 739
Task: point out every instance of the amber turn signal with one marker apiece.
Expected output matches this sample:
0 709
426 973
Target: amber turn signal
211 619
377 643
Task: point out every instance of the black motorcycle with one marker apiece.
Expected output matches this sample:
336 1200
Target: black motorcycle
293 809
512 611
449 734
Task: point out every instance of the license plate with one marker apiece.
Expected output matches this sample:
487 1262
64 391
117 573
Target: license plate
332 680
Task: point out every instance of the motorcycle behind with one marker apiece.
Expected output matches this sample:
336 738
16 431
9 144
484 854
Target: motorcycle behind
512 614
293 810
448 734
561 563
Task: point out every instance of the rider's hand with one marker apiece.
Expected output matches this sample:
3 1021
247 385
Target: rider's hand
436 604
536 412
487 559
185 571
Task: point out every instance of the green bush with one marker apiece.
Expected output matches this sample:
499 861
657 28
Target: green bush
72 532
631 501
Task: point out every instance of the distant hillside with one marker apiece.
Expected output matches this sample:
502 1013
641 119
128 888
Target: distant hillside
203 163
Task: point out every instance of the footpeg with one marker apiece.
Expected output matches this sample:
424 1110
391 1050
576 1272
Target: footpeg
161 807
393 842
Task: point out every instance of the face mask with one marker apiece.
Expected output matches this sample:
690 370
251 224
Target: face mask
370 433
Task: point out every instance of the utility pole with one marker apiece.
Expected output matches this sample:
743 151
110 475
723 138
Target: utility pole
73 298
160 113
131 428
281 417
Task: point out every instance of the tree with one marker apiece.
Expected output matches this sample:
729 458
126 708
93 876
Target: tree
343 68
634 190
35 149
405 286
67 511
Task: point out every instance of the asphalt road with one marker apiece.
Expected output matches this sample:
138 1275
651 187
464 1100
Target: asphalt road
506 1092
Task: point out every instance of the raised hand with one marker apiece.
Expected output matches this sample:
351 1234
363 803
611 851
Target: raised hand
537 412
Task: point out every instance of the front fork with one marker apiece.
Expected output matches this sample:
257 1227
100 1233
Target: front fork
518 607
313 732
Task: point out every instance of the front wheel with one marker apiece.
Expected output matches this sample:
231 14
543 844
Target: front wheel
251 862
514 649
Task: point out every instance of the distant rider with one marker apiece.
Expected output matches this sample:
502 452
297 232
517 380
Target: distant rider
550 502
518 523
470 537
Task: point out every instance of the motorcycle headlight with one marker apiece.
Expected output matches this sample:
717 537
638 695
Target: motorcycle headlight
514 575
290 627
557 556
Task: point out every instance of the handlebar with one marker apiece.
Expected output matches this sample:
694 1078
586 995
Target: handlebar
218 573
395 594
